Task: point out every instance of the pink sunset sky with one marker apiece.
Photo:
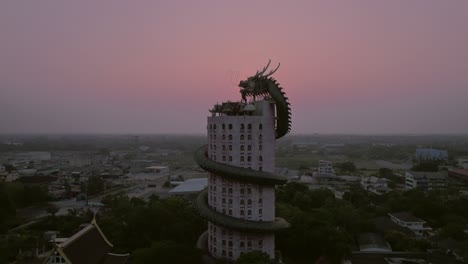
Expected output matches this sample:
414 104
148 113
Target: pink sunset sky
156 67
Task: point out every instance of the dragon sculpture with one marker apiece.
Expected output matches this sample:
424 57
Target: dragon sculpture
259 85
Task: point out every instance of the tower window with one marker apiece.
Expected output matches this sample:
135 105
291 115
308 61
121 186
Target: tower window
242 193
224 158
249 212
242 147
242 212
260 211
214 126
242 158
242 126
224 126
224 147
230 158
224 200
260 200
249 191
230 147
242 244
260 158
230 201
224 190
260 243
249 159
260 137
249 137
249 202
249 126
224 137
230 212
230 126
249 148
242 137
230 190
242 202
260 126
230 243
230 137
260 147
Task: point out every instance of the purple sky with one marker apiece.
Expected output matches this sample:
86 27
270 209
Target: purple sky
146 67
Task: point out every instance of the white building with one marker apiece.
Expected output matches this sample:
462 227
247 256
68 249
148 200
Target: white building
411 222
240 156
425 181
325 168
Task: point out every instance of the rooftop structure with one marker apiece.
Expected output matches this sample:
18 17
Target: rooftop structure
431 154
240 157
89 245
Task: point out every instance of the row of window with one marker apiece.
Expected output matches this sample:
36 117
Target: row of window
242 158
241 243
242 190
242 147
242 212
242 137
242 126
242 202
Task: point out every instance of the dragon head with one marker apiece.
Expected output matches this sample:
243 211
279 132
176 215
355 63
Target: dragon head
256 85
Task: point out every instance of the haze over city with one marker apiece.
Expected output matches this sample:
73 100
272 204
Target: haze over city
124 67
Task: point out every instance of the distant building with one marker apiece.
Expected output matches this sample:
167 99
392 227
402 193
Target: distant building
459 174
425 181
415 224
326 168
431 154
374 184
80 159
89 245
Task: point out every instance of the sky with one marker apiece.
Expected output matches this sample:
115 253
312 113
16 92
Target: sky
348 67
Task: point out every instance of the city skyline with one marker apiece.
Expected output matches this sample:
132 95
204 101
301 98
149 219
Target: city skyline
349 68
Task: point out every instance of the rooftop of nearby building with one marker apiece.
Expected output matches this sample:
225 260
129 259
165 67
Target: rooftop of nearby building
372 242
190 186
89 245
407 217
431 153
461 172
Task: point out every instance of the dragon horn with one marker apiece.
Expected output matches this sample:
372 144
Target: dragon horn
272 71
264 69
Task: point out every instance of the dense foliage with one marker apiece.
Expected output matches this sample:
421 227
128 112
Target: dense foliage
155 230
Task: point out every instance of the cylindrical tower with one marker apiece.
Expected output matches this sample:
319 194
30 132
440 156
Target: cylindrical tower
240 156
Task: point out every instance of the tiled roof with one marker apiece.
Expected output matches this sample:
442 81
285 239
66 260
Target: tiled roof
87 246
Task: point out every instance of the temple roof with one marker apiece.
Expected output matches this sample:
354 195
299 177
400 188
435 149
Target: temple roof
90 246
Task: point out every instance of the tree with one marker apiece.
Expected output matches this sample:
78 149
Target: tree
347 166
52 209
167 252
254 257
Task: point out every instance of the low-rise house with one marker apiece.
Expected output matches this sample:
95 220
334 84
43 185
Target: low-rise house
425 181
374 184
89 245
407 220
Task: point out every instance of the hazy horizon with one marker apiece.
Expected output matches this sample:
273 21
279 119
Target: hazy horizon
348 68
